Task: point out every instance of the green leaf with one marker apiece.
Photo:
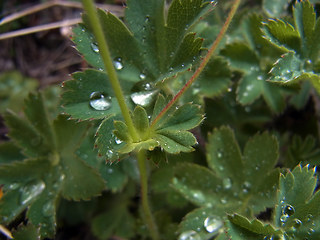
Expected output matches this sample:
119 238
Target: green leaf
27 185
117 221
241 57
303 151
26 136
89 96
275 8
298 209
29 232
157 47
241 228
288 69
9 152
204 221
282 35
107 142
305 19
234 176
215 79
140 119
14 88
36 113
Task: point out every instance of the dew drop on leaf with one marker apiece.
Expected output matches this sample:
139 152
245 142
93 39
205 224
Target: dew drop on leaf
297 223
189 235
13 186
260 77
142 76
246 186
94 47
100 101
288 210
227 183
117 62
31 190
212 224
143 93
117 140
109 154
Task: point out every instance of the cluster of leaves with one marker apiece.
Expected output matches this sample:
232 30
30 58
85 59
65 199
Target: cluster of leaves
215 192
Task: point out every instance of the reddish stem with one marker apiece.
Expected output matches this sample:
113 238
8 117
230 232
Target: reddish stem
202 64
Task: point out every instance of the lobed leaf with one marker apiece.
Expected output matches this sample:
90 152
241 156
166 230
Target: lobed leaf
77 99
241 228
297 211
244 182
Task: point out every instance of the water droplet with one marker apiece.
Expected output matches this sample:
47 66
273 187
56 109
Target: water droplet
100 101
109 170
48 209
142 76
288 210
117 140
246 187
109 154
13 186
223 200
227 183
117 62
214 3
189 235
147 19
297 223
95 47
229 89
212 224
284 218
269 237
31 190
219 154
143 93
260 78
309 61
249 87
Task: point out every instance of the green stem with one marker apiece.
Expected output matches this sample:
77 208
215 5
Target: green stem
105 54
144 196
204 62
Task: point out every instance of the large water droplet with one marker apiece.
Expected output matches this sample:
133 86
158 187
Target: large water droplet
100 101
189 235
31 190
212 224
227 183
94 47
143 93
117 62
288 210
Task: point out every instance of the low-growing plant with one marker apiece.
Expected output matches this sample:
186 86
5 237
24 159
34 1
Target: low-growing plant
185 127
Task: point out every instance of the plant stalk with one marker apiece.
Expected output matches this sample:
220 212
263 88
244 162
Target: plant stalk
204 62
108 63
144 196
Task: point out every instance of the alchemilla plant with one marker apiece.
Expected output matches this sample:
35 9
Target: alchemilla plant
192 123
